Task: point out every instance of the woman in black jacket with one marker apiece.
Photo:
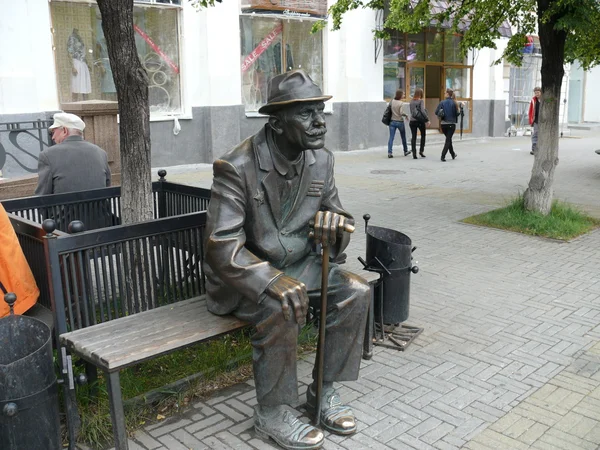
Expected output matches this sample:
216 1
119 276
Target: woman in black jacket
418 121
449 117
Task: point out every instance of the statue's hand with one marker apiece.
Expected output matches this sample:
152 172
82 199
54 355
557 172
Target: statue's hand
328 226
288 291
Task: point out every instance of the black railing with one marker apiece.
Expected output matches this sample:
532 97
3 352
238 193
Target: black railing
100 275
35 129
101 208
31 238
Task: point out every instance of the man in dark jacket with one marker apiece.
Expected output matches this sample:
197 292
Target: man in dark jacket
72 164
267 195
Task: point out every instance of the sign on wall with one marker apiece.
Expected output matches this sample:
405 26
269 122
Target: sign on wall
294 8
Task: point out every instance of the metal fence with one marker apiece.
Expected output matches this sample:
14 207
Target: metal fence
101 208
100 275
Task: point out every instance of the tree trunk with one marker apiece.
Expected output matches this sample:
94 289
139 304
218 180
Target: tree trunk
131 82
538 196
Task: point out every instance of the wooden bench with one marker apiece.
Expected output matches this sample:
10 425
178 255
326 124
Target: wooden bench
127 341
121 343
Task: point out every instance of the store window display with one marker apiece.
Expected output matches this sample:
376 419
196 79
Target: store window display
277 38
81 55
81 84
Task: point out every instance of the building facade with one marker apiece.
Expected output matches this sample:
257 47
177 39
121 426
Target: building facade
209 69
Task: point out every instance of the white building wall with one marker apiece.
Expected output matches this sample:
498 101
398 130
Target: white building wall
352 74
210 50
591 106
223 50
488 81
27 76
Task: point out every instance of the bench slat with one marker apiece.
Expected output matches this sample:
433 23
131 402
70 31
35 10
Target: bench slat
149 332
183 308
164 329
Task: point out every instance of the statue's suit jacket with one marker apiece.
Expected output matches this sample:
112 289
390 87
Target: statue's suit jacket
249 243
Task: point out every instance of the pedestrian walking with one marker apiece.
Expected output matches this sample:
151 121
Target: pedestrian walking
419 120
534 114
397 123
448 112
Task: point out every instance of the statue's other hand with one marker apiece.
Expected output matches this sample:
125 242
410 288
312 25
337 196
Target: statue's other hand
328 226
290 291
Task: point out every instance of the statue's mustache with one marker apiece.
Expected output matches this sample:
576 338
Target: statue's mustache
317 132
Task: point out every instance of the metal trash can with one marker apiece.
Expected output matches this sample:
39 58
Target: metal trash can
29 415
391 250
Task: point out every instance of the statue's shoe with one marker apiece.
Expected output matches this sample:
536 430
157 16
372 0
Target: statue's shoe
335 417
287 430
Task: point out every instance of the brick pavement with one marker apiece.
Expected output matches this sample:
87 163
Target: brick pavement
510 353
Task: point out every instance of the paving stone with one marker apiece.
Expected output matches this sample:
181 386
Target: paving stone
228 441
533 434
230 413
204 423
171 443
425 427
437 433
172 424
567 441
146 440
188 440
241 407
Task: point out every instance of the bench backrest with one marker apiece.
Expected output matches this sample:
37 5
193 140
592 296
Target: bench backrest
100 275
101 208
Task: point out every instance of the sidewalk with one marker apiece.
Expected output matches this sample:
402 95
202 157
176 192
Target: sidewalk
510 353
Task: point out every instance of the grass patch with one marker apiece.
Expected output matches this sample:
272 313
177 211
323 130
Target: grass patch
564 221
223 362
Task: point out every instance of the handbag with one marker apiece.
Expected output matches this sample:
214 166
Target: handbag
420 115
387 114
441 113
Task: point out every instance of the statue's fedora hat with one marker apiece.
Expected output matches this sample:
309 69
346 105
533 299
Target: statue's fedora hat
292 87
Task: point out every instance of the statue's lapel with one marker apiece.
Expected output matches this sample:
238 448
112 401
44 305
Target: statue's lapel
305 183
271 190
268 192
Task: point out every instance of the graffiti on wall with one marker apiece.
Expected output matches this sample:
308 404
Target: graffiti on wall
20 146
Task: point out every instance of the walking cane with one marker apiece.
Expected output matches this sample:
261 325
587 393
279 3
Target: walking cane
322 321
321 343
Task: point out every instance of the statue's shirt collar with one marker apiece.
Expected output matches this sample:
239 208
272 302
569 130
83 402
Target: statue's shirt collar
285 167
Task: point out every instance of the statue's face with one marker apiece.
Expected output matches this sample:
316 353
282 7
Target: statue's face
303 125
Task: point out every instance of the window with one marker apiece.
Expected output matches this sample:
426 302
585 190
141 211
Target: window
407 55
271 46
435 46
82 65
393 78
452 48
416 47
276 38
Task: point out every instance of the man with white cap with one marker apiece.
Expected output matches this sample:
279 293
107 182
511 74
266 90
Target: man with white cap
72 164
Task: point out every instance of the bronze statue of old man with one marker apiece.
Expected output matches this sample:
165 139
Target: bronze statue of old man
268 194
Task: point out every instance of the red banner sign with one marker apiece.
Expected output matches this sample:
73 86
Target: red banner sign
156 48
259 50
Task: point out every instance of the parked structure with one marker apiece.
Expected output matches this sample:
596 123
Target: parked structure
208 72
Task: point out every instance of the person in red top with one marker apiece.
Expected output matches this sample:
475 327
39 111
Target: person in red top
534 114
